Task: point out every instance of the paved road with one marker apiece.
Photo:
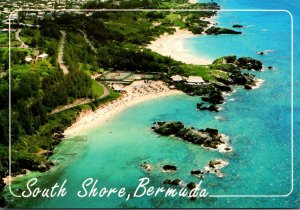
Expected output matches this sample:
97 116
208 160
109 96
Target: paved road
23 45
87 40
62 65
81 101
61 53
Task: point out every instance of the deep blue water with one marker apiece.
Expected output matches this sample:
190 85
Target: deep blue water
258 123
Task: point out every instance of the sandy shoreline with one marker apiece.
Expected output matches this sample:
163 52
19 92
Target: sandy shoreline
173 45
193 1
137 92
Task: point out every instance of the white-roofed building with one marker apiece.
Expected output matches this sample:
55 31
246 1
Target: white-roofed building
43 56
28 59
117 88
176 78
195 80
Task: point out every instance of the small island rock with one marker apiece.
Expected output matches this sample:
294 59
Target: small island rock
169 168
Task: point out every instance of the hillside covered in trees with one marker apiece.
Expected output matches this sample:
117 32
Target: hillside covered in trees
119 38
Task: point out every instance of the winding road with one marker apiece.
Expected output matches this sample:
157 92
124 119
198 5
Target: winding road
87 40
23 45
65 70
61 53
79 102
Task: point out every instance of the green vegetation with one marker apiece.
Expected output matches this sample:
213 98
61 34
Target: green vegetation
38 87
78 54
206 72
232 64
97 90
4 40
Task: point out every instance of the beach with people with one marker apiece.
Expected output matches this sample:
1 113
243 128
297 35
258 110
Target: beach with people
137 92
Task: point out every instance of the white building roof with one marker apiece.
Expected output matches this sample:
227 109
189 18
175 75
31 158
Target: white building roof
28 59
44 55
176 78
117 87
195 79
6 30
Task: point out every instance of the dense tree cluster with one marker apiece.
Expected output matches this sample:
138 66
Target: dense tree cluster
33 96
119 57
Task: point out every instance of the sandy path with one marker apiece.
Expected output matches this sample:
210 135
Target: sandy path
23 45
61 53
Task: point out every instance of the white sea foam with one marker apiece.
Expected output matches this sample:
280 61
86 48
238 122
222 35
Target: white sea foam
258 83
216 168
219 118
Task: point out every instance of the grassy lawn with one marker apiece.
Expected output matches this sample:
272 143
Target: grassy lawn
4 40
128 25
204 71
97 90
176 20
26 39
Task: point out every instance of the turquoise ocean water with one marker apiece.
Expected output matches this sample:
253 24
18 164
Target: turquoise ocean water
258 123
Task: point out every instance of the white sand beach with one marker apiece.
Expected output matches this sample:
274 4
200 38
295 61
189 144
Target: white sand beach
9 179
137 92
173 45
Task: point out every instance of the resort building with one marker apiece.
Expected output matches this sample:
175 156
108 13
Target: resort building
195 80
117 88
28 59
176 78
43 56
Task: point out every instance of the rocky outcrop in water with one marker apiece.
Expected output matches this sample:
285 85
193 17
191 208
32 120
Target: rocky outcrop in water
217 30
212 108
172 181
169 168
249 63
146 166
209 137
213 97
242 78
215 166
191 185
237 26
232 64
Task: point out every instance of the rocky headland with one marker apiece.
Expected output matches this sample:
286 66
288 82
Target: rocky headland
212 92
217 30
208 138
